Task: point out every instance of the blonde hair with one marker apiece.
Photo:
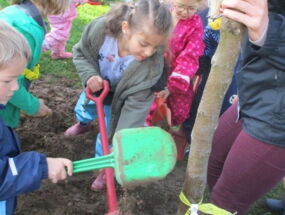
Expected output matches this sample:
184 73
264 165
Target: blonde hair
52 7
12 45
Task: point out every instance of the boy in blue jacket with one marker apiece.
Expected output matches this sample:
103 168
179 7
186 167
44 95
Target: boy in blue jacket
19 172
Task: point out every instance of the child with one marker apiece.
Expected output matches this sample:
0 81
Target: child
126 48
20 172
186 46
27 19
60 26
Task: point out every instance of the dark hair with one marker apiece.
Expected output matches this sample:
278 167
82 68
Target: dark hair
150 12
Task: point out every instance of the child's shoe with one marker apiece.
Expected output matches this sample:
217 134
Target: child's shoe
100 182
77 129
61 55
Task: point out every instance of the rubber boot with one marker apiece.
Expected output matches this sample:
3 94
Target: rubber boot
60 53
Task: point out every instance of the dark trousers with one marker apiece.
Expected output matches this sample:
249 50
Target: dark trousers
241 168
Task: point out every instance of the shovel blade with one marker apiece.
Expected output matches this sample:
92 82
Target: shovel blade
143 155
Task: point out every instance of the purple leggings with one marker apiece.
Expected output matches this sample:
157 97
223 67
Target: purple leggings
241 168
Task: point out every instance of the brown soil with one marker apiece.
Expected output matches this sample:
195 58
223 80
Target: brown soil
73 196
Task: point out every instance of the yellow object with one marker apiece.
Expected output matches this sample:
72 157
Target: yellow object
215 24
206 208
32 74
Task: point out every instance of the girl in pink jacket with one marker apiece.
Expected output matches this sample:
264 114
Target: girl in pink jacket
185 47
60 26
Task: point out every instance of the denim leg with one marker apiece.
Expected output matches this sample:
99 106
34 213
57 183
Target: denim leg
98 145
85 112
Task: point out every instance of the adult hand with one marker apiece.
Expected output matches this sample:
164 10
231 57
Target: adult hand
57 168
95 83
251 13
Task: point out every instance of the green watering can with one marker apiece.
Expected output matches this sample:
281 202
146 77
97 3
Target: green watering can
139 155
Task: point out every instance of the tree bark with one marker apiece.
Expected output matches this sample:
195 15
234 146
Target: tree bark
218 82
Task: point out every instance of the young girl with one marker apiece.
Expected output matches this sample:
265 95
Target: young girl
27 18
126 48
20 172
60 26
186 46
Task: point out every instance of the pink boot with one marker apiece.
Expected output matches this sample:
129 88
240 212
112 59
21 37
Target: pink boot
61 55
100 182
77 129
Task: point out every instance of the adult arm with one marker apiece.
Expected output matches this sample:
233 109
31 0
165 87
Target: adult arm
254 14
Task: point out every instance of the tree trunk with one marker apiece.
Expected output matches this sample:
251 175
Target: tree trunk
219 79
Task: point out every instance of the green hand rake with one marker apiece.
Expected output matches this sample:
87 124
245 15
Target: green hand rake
139 155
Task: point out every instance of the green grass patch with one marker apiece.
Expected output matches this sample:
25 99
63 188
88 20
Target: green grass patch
65 68
3 3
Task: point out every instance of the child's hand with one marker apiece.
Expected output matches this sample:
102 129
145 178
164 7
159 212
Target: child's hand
95 83
43 110
57 169
163 94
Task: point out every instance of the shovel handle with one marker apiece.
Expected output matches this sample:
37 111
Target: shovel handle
94 2
111 192
91 164
103 93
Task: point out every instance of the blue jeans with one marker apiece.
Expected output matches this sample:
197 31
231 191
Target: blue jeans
86 112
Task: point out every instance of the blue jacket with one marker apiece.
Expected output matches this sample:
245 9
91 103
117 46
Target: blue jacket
19 172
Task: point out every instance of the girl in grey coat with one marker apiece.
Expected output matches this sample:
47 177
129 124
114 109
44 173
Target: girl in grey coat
124 47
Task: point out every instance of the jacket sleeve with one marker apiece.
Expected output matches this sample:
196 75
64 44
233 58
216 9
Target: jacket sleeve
273 51
24 100
21 174
135 109
187 62
83 54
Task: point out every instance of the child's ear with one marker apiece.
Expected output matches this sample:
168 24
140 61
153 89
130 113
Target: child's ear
125 27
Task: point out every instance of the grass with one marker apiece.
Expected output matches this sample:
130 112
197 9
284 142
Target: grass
3 3
64 68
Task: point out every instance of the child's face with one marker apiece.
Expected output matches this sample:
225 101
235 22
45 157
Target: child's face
8 79
182 9
144 44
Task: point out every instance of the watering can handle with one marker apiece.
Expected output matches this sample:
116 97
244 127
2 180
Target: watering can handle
102 95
